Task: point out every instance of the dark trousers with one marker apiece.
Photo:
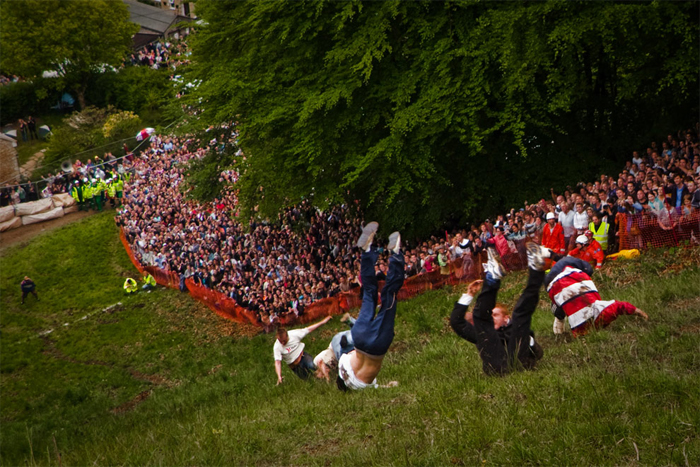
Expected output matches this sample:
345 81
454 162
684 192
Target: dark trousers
498 358
373 334
28 291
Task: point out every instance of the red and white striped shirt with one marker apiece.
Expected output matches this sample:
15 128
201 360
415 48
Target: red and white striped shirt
574 292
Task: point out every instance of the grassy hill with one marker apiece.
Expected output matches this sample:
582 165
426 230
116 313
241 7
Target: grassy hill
159 379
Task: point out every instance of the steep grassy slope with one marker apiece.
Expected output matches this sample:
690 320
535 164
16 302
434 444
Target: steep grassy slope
159 379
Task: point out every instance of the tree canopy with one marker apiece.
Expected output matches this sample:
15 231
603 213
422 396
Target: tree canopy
73 37
434 112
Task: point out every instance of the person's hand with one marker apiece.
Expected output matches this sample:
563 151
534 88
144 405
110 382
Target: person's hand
639 312
390 384
279 380
474 287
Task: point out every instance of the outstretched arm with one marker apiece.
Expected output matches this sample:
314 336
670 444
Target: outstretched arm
611 313
278 370
460 325
313 327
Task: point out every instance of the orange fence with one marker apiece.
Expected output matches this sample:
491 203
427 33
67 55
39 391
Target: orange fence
635 231
644 230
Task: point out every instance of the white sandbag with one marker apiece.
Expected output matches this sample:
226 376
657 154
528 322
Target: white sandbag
7 213
11 224
63 199
69 209
33 207
55 213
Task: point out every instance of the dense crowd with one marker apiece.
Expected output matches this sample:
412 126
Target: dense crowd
282 266
169 54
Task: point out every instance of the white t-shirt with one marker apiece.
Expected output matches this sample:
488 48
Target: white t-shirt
567 223
292 349
581 220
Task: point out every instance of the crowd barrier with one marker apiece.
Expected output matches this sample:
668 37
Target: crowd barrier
635 231
642 231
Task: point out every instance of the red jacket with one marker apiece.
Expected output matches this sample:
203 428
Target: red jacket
554 238
501 244
593 254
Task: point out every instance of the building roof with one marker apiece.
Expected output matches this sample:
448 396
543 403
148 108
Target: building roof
153 20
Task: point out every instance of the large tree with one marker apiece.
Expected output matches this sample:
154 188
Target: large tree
432 112
75 38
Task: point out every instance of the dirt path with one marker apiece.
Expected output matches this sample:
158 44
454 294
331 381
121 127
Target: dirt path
35 161
28 232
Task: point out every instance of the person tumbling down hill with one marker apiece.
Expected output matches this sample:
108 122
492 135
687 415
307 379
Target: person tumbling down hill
341 344
290 348
372 332
503 342
575 296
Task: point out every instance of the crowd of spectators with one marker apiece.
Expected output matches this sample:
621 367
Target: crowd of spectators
4 80
281 266
167 54
98 168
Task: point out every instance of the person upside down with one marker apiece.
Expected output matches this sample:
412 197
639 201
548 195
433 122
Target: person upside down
504 342
372 333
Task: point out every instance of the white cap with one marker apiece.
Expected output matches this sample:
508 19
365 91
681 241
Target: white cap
550 215
582 239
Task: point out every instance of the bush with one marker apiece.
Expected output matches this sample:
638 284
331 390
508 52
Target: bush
90 129
18 100
121 125
138 89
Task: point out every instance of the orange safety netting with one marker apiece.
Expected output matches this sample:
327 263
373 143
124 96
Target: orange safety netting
634 231
646 230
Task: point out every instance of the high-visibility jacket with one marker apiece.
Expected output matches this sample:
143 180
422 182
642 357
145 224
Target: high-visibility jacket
593 254
600 234
120 185
87 192
77 193
149 280
554 238
130 285
112 189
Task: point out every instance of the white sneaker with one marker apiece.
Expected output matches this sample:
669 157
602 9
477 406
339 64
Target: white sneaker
494 265
536 256
368 231
394 242
558 326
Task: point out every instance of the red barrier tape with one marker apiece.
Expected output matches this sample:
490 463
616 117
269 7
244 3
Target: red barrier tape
635 231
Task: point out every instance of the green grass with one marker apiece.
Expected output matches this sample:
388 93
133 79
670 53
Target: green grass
626 395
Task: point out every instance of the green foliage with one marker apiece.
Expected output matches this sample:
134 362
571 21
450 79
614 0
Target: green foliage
160 379
83 134
73 37
203 180
137 88
18 100
427 111
121 124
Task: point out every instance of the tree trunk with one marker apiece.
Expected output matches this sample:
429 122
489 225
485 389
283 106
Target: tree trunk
81 97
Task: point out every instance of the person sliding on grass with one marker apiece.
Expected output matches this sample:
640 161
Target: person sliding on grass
290 348
574 295
503 344
341 344
372 332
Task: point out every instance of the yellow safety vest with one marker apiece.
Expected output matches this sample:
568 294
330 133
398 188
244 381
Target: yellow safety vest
130 285
150 280
601 235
